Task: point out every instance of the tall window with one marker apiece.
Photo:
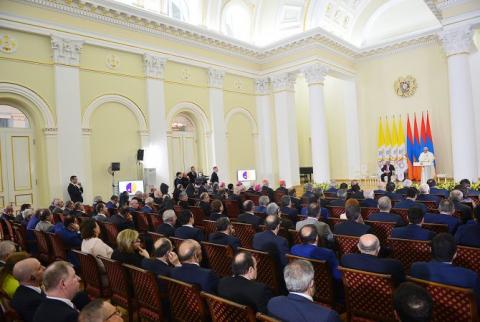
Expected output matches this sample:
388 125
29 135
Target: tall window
237 20
13 118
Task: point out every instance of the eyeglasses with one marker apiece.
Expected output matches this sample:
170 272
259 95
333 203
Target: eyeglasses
115 313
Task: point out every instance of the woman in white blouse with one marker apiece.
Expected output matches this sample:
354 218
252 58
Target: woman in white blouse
91 244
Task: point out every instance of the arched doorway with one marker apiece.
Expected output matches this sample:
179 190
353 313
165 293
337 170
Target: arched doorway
17 172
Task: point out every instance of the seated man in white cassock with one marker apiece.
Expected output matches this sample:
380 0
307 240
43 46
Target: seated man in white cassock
426 159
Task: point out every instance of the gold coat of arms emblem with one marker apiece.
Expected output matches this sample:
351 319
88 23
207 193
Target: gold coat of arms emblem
405 86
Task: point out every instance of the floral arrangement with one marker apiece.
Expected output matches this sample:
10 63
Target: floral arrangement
449 185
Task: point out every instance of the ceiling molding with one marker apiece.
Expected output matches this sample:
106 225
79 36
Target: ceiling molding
433 6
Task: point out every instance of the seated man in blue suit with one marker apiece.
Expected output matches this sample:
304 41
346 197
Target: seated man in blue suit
190 255
298 306
409 201
469 234
441 270
385 205
354 225
391 192
187 231
163 258
248 216
414 228
269 241
223 235
407 183
436 191
467 185
167 228
309 249
340 202
425 195
287 208
367 260
447 209
369 201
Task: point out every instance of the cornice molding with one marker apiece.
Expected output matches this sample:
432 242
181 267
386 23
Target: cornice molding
283 82
154 66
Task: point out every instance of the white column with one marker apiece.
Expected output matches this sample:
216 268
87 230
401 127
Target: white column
315 76
87 152
287 144
475 73
54 182
264 116
157 151
217 119
457 43
66 56
353 142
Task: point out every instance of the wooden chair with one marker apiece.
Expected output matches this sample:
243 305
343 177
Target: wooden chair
147 293
9 230
367 211
21 237
92 275
267 271
43 248
154 236
383 230
254 198
294 237
401 212
57 249
198 215
186 303
324 286
222 310
219 257
431 205
141 222
155 220
450 303
368 295
176 242
336 211
232 207
111 232
468 257
210 227
436 228
120 284
409 251
7 312
265 318
245 233
346 244
332 221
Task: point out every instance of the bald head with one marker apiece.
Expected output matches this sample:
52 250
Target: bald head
190 252
272 222
28 271
369 244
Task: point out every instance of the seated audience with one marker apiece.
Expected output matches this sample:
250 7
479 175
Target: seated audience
385 205
163 258
414 228
342 197
410 201
308 196
8 213
263 201
441 270
186 229
287 208
407 183
467 186
380 188
7 247
190 255
91 243
224 234
28 296
412 303
269 241
134 205
167 227
368 260
274 209
45 223
8 283
436 191
390 193
148 208
298 306
465 211
32 223
61 285
69 232
100 311
349 202
69 206
332 187
309 249
58 206
355 191
248 216
123 219
323 230
129 249
354 225
216 210
266 190
205 204
282 187
78 210
112 203
446 209
369 201
469 234
424 194
242 288
101 213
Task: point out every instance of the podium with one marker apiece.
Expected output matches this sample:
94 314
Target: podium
425 168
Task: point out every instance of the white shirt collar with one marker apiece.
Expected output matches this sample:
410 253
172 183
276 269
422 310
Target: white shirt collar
304 295
35 288
64 300
189 226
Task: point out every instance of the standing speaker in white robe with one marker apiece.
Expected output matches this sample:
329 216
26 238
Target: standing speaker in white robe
426 159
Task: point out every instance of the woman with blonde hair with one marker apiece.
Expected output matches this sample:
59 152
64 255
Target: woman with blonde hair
129 249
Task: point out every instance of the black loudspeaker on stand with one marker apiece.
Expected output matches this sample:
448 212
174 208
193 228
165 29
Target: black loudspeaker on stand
140 155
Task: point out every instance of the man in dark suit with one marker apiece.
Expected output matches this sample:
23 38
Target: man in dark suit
248 217
192 175
75 190
469 234
390 192
412 302
205 204
266 190
407 183
28 296
282 187
425 195
242 287
414 228
308 196
100 310
465 211
387 171
123 219
385 205
354 225
190 255
309 249
61 285
287 209
269 241
186 230
369 201
447 209
214 176
367 260
223 235
441 270
167 228
217 210
467 186
355 192
436 191
298 306
409 201
163 258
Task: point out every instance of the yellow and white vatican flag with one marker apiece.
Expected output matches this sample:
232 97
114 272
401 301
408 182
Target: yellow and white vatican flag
394 151
388 142
380 142
401 165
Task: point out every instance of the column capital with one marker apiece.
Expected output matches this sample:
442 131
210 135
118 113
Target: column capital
315 73
144 133
457 41
215 78
86 132
66 51
50 131
154 66
284 82
262 86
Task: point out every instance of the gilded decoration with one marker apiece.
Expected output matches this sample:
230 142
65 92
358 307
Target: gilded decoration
405 86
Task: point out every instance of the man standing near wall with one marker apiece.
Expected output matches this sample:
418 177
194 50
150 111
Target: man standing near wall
75 190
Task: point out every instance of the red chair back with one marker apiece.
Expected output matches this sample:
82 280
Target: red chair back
383 230
111 231
468 257
198 215
21 236
245 233
409 251
44 254
176 242
91 275
337 211
210 227
366 212
294 237
267 272
57 247
186 304
141 222
346 244
222 310
401 212
431 205
155 221
147 293
368 295
253 197
232 207
436 228
450 303
9 227
220 258
265 318
155 236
